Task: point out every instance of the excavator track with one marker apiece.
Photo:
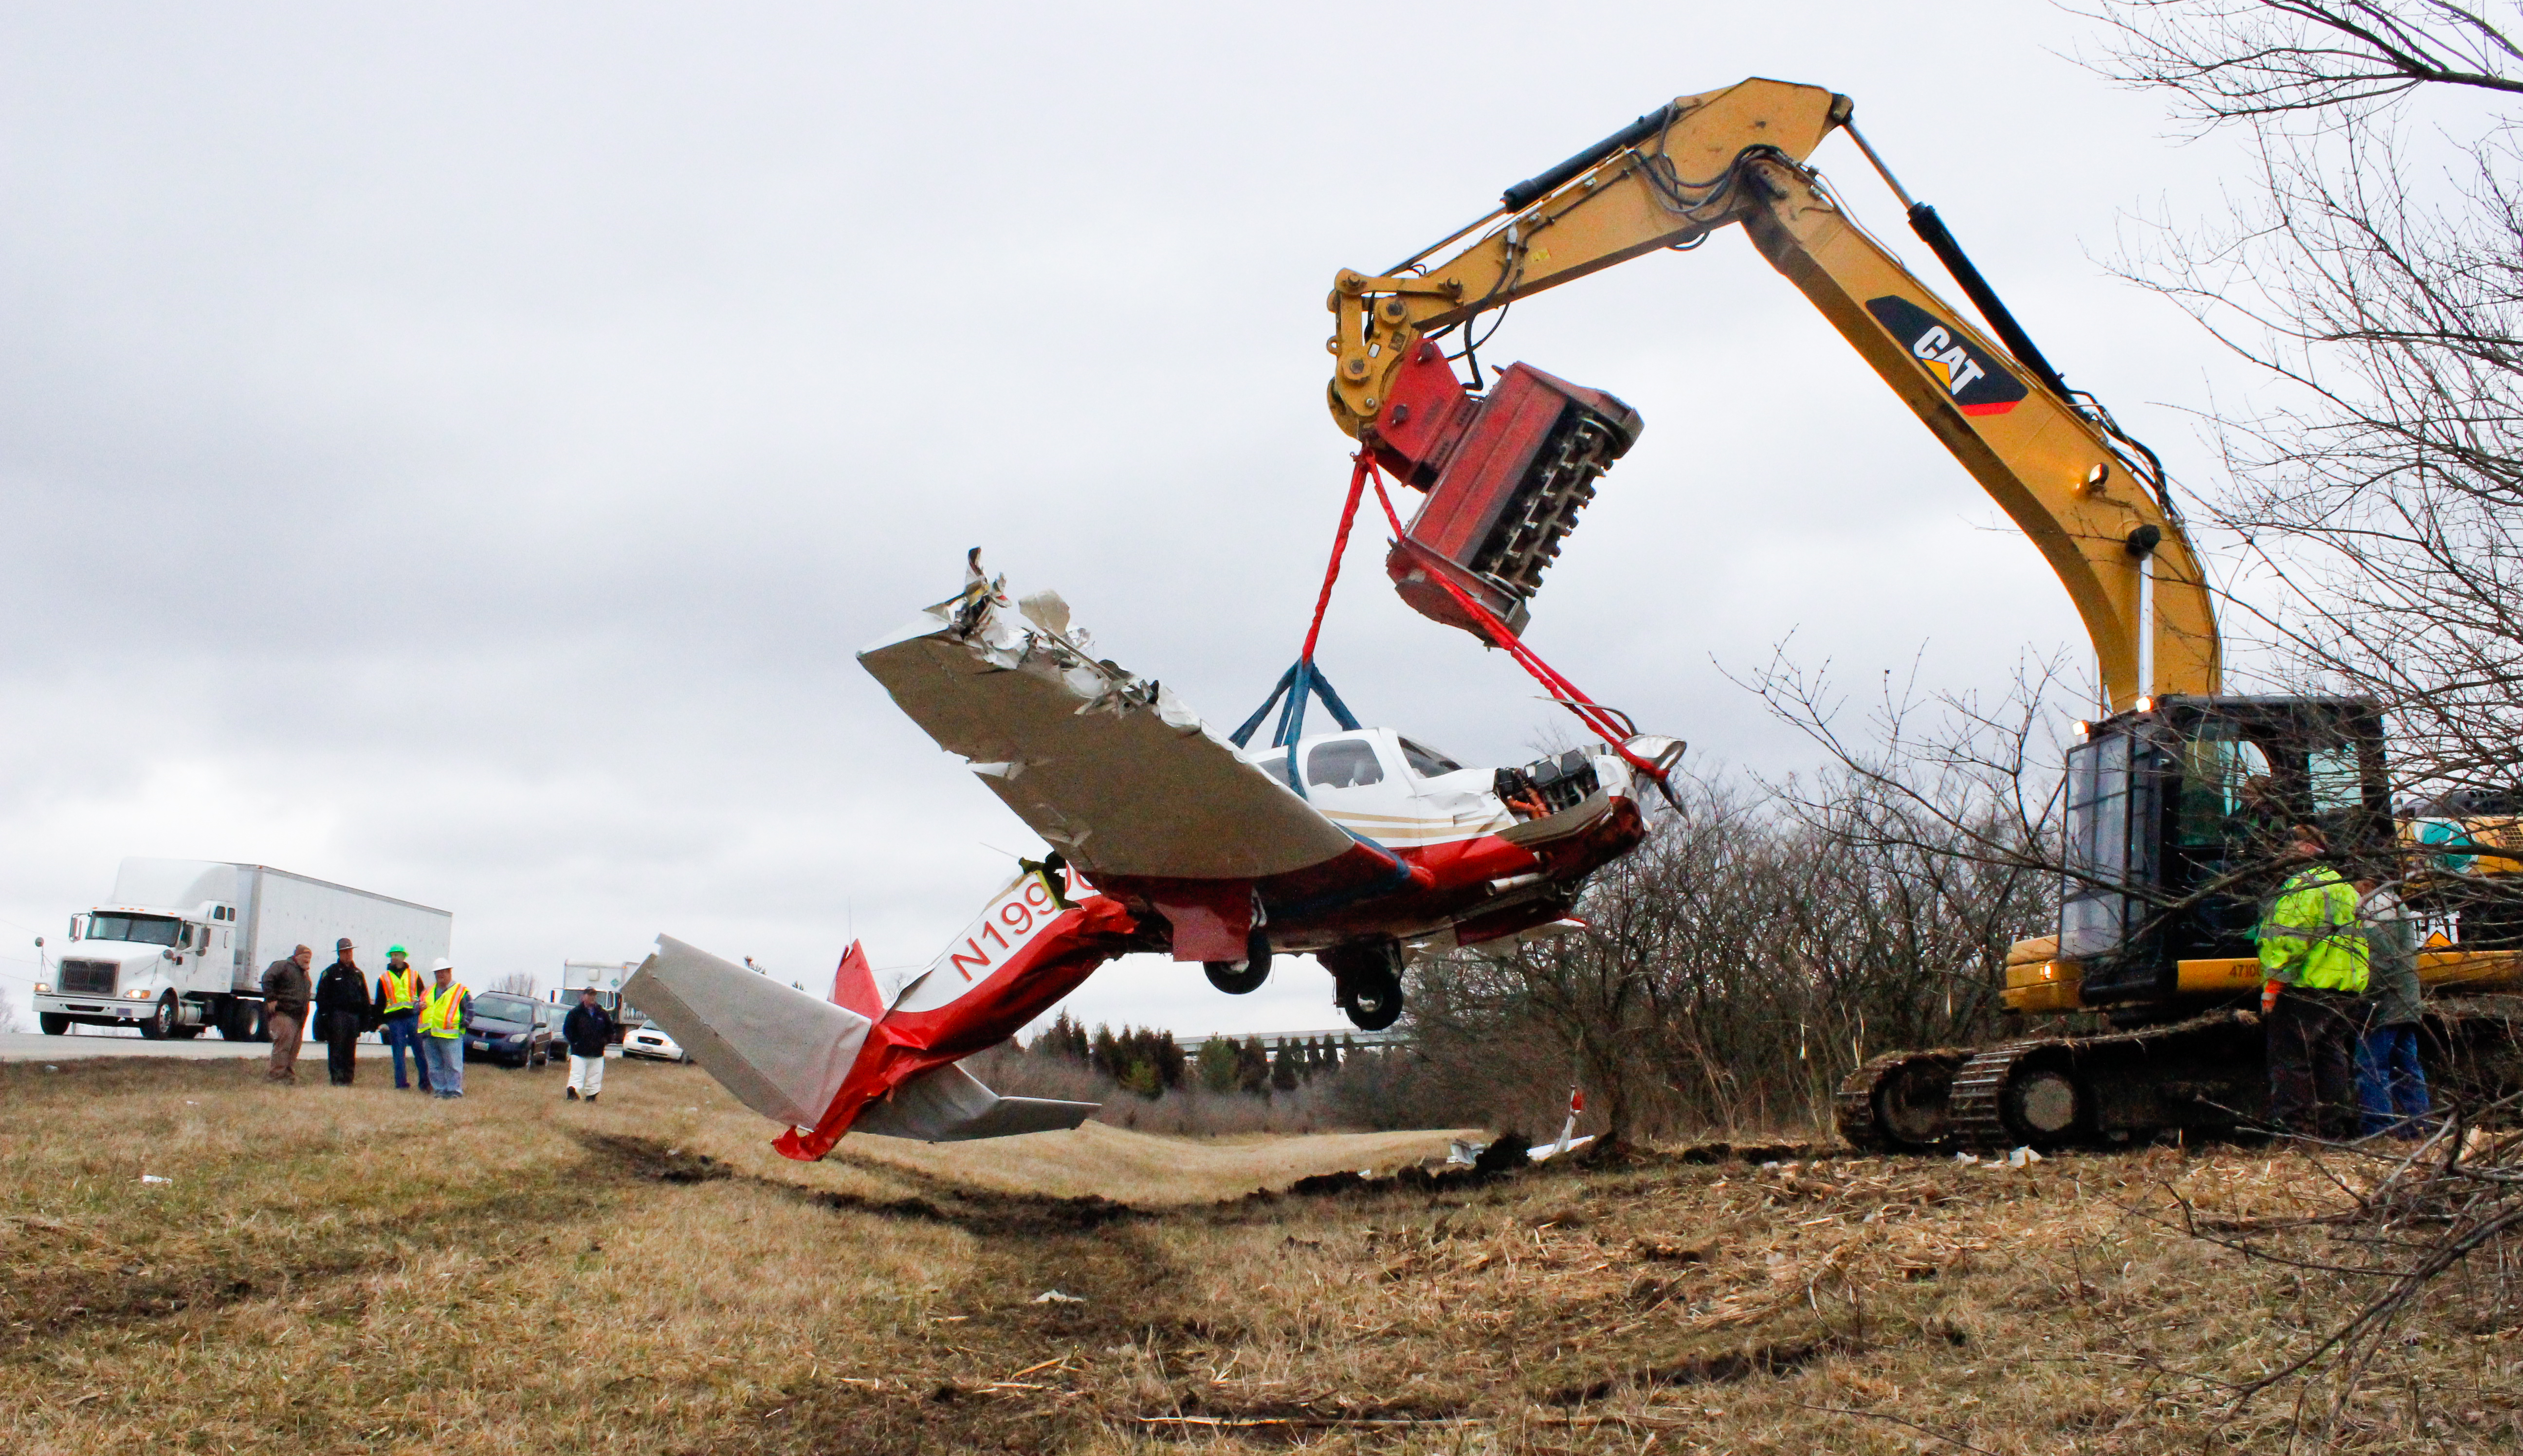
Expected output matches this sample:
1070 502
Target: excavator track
1974 1113
2201 1074
1894 1103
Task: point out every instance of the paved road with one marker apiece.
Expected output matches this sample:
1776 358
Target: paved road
29 1046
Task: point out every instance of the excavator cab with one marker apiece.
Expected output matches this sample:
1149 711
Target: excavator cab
2177 828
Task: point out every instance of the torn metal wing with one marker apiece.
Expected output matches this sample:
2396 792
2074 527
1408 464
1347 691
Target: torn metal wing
1112 769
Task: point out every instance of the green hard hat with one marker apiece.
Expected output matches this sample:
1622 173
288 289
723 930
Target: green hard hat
397 951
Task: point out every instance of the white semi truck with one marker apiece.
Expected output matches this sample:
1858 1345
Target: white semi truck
181 946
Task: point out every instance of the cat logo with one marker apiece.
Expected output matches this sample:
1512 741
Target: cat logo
1978 384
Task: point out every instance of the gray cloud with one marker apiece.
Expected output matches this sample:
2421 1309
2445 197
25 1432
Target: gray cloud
455 453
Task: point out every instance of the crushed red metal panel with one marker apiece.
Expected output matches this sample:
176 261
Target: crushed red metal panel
1506 475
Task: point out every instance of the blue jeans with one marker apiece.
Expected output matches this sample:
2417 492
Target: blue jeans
446 1064
2391 1086
402 1031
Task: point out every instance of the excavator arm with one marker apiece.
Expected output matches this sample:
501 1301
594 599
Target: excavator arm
2092 501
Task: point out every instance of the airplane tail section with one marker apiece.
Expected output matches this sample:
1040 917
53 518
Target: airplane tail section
949 1104
781 1053
827 1068
854 985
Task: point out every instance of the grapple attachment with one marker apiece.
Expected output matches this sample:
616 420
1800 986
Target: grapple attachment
1506 473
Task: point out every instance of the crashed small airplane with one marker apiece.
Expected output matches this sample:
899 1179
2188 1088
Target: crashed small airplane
1361 847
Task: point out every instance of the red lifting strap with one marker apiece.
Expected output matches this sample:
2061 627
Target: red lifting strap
1566 693
1340 543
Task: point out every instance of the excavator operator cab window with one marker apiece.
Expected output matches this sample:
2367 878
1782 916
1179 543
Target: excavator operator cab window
1343 763
2224 780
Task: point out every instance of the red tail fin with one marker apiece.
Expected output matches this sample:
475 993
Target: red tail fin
854 985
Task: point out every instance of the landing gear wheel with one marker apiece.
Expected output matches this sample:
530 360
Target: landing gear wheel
55 1023
1367 982
1243 977
1374 1005
161 1024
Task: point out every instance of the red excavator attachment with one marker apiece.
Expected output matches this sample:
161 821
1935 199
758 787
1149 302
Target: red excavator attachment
1506 473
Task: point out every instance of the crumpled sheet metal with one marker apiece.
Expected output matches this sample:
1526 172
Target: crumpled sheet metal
778 1050
788 1055
1110 768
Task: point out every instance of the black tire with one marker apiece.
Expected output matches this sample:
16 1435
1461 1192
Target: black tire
1373 1003
1366 977
161 1025
55 1023
237 1022
1243 977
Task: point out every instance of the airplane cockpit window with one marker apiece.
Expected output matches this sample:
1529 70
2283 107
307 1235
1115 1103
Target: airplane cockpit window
1426 762
1343 763
1277 766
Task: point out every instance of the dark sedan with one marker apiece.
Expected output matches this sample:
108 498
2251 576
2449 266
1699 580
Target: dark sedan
507 1029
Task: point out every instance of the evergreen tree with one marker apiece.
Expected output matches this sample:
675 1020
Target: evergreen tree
1217 1065
1285 1070
1252 1068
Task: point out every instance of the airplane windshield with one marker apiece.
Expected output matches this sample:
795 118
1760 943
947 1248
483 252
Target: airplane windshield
1427 762
145 930
1343 763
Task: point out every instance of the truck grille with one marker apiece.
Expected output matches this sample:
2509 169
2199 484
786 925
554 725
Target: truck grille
88 977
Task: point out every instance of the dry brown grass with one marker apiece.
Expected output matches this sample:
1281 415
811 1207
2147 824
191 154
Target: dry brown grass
366 1270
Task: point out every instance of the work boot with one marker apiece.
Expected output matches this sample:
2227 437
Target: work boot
571 1093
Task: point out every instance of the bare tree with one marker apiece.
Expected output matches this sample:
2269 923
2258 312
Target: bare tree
2380 494
516 983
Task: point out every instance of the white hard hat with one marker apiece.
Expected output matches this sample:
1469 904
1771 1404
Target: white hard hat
442 964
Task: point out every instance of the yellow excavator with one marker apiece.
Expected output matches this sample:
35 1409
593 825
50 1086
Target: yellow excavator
2177 797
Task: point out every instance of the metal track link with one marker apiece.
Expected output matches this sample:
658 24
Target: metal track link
1858 1107
1854 1107
1973 1116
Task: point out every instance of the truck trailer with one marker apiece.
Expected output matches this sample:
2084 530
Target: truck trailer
181 945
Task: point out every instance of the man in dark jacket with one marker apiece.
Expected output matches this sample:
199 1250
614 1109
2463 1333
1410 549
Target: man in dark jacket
342 1002
286 987
2390 1084
589 1030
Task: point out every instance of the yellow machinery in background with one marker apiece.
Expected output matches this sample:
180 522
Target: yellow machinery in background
2178 796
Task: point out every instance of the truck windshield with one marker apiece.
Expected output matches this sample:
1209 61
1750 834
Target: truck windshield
147 930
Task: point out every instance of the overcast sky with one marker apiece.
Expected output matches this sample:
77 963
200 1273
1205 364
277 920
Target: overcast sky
456 451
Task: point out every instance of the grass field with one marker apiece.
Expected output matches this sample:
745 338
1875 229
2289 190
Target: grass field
363 1270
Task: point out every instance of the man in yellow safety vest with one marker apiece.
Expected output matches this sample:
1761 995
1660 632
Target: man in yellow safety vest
444 1009
399 1006
2312 958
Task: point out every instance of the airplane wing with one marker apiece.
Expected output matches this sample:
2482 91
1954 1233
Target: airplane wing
1110 768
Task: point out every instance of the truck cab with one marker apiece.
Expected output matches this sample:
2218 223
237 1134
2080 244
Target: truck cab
166 970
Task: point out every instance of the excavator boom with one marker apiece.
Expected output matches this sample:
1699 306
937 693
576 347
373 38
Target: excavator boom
1507 473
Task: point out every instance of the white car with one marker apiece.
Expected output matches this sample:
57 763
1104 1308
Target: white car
648 1041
